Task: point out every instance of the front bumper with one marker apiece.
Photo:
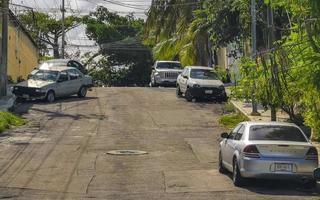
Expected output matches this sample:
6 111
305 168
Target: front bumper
165 81
265 168
209 93
28 93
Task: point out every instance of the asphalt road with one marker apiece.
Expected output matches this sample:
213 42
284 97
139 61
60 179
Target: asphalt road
62 152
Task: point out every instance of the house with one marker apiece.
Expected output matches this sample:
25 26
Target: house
23 53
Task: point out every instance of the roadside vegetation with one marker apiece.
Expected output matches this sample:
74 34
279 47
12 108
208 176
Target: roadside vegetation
9 120
231 117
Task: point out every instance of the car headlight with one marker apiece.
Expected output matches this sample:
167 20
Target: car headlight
40 90
156 74
196 85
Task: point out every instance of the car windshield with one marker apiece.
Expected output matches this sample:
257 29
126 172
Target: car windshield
276 133
203 74
45 75
169 65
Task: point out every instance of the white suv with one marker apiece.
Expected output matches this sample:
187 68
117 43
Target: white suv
165 73
197 82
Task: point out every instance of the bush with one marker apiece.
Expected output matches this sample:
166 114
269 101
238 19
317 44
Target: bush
231 120
9 120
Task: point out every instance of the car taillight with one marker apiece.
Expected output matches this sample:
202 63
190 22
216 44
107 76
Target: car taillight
312 154
251 151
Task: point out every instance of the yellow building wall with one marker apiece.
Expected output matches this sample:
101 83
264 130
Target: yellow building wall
23 55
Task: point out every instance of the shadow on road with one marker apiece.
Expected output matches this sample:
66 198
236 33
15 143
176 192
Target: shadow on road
54 110
279 187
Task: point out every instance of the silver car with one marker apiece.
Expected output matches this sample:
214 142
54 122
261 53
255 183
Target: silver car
53 82
267 150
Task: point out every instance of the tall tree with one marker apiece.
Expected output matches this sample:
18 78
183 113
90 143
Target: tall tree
46 30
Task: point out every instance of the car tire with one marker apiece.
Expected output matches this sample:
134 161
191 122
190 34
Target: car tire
51 97
82 92
153 83
238 180
188 95
311 184
178 92
221 168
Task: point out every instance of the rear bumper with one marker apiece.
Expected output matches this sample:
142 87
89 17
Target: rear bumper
265 168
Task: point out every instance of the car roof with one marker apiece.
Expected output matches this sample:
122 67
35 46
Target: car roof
59 68
251 123
199 67
167 61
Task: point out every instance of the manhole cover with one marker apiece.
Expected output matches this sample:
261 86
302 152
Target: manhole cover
126 152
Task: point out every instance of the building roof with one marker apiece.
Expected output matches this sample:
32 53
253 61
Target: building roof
13 19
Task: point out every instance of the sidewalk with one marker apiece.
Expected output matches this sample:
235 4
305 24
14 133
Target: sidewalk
246 109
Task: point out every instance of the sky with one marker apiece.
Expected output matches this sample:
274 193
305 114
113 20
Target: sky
82 7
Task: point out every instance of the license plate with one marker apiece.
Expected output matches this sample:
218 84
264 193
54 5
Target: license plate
25 96
208 91
283 167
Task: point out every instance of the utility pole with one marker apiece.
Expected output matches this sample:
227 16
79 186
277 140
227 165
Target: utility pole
4 48
254 51
63 29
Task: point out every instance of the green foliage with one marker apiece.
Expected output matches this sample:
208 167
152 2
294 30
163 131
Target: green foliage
47 30
231 120
125 60
8 120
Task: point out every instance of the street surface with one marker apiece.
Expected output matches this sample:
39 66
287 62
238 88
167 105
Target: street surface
62 152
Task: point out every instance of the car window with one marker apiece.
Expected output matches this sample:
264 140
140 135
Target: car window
73 74
240 133
203 74
168 65
63 76
276 133
234 132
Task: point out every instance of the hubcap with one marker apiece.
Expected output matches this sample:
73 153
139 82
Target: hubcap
234 172
50 97
83 91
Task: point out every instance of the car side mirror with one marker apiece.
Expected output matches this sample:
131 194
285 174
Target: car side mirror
224 135
186 77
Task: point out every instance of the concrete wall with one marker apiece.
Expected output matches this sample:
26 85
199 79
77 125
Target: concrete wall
23 55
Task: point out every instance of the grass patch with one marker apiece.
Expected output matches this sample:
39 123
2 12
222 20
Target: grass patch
228 108
9 120
231 120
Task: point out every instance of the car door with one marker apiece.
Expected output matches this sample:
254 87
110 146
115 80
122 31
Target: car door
62 85
184 80
229 146
75 81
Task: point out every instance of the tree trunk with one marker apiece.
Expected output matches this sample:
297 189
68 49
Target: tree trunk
55 46
273 113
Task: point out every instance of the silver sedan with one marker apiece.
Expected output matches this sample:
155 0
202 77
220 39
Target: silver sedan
267 150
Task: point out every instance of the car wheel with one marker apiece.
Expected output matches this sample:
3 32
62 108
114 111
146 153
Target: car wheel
178 91
153 82
311 184
236 176
50 97
222 170
188 95
82 92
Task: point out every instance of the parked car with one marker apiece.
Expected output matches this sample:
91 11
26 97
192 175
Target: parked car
165 73
62 63
269 150
53 82
200 82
